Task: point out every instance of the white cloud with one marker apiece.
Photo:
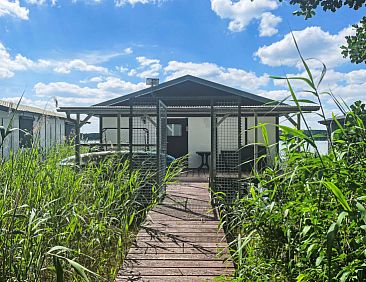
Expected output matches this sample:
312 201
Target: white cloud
13 8
10 65
67 92
121 3
147 68
128 51
79 65
277 95
313 42
230 76
241 12
356 76
36 2
268 23
121 86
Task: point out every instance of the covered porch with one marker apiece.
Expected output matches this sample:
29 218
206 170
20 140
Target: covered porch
235 140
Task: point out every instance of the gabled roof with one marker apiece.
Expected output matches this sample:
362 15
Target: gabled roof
190 88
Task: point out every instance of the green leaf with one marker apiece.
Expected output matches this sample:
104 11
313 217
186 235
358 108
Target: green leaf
338 194
344 276
80 270
297 133
59 270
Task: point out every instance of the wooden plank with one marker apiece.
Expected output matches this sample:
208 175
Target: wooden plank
202 245
182 251
158 271
180 240
142 263
177 256
167 278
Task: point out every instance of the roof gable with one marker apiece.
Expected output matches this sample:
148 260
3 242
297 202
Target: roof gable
189 88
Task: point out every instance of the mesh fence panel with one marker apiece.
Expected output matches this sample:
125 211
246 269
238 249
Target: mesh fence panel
228 135
147 143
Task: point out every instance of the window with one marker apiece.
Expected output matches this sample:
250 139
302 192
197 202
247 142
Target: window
174 129
26 131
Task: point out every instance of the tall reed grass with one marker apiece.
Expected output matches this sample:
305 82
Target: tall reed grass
59 224
304 217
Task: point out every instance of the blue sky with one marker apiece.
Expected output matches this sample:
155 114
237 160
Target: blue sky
87 51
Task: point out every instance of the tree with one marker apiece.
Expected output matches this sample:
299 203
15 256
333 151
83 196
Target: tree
355 48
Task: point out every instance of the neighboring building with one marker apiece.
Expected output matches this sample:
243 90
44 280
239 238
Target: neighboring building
38 126
332 124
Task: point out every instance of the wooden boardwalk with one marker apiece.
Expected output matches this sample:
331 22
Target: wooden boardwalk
179 241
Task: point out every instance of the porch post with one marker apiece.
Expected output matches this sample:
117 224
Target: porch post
130 134
158 140
213 146
239 140
298 123
255 141
101 129
77 141
118 132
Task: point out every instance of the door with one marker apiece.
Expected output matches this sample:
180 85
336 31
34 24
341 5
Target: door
177 137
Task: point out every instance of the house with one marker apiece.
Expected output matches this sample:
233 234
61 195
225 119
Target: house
36 126
218 127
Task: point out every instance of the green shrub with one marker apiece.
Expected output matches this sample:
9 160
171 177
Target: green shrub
304 218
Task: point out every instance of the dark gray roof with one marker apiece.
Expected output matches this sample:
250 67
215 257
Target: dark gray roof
189 90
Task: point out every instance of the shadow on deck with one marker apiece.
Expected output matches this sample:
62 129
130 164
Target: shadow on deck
180 240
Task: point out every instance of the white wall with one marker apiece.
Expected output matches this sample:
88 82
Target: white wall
199 134
199 139
110 136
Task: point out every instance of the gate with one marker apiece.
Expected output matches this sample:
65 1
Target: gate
226 147
161 148
147 144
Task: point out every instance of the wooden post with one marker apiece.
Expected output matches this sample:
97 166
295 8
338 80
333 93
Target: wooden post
298 123
118 132
255 141
77 142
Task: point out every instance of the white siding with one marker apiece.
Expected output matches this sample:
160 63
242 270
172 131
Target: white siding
47 131
199 134
199 139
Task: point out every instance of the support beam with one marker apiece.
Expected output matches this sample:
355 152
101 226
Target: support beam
290 119
255 142
130 135
83 122
101 129
222 120
150 119
158 152
213 147
77 141
118 132
298 121
239 140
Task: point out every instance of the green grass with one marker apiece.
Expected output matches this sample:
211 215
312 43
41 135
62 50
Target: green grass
59 224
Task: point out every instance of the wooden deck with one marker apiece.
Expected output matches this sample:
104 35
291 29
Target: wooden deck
179 241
